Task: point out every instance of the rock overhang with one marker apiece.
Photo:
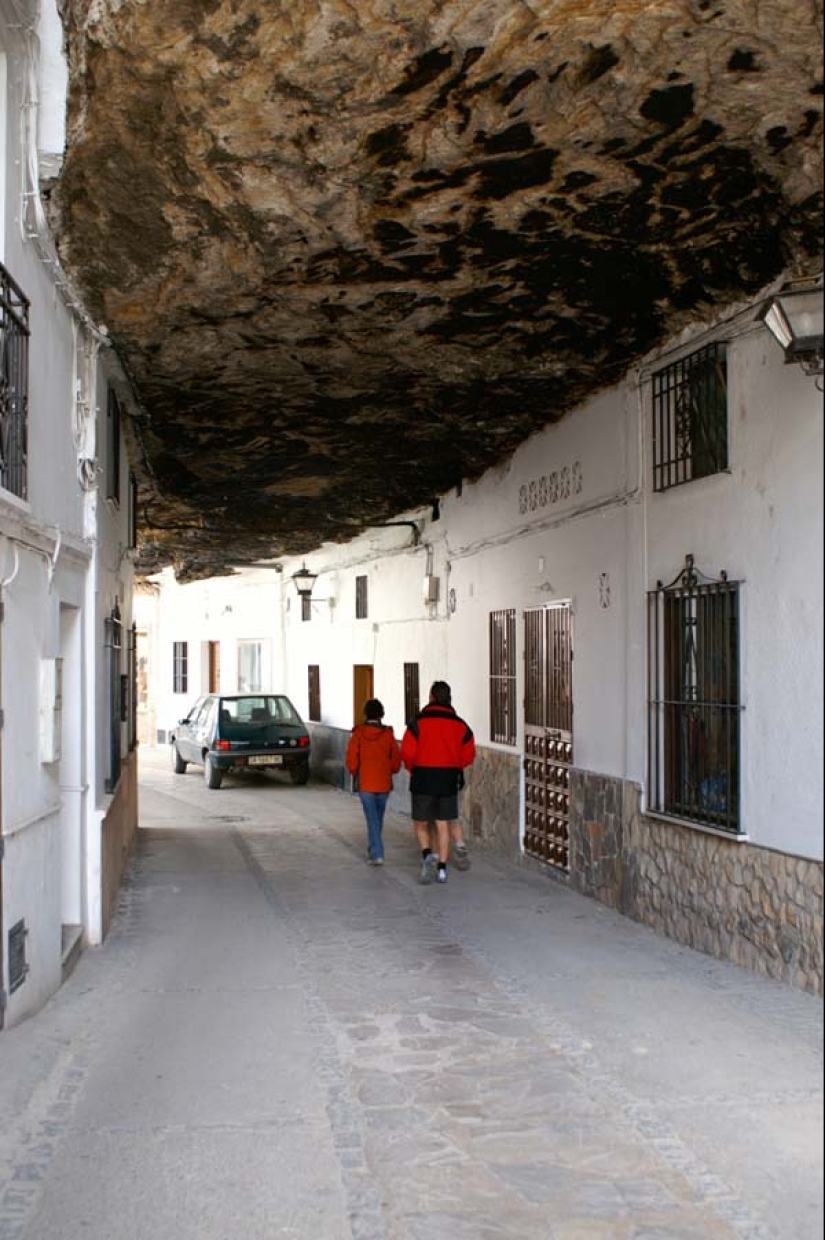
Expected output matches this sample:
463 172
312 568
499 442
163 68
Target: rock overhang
352 253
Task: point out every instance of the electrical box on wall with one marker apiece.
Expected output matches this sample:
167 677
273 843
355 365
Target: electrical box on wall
51 709
431 584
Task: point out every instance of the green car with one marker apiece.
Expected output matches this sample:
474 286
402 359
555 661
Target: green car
245 732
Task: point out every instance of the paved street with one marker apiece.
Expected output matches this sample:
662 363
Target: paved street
278 1042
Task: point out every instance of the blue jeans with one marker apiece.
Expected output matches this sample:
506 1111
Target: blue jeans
375 803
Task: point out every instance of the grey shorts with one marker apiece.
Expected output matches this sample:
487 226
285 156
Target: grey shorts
427 808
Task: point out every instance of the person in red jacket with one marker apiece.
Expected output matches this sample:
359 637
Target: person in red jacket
437 748
374 757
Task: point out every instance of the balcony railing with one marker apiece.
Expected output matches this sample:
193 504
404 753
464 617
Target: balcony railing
14 385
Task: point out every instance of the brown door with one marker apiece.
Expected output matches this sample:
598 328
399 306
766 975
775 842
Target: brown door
214 667
363 688
548 732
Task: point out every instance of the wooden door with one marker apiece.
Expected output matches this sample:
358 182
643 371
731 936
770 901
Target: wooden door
363 688
548 732
214 667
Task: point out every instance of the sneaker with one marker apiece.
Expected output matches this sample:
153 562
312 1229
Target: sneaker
429 869
376 860
461 857
442 876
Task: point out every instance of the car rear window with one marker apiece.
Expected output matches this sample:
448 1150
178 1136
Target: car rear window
266 709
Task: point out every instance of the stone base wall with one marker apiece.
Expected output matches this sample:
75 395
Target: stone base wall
491 802
733 900
119 828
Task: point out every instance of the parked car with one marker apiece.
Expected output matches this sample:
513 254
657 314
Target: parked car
243 732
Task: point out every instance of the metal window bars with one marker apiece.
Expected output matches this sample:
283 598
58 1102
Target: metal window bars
14 385
361 598
503 677
690 418
114 644
412 692
314 692
694 707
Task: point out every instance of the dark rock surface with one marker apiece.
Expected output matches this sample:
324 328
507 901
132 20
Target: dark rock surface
353 251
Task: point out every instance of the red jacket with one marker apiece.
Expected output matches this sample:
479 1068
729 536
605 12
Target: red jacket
373 755
436 748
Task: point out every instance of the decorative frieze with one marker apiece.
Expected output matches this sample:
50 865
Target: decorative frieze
552 488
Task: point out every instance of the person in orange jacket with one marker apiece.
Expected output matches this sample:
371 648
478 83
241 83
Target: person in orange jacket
374 757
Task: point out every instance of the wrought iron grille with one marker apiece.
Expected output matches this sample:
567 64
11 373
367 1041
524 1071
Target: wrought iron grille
361 598
314 679
14 386
690 418
503 677
18 966
694 708
306 608
114 645
133 687
180 667
412 692
113 417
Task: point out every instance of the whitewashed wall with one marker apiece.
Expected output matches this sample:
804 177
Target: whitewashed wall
63 560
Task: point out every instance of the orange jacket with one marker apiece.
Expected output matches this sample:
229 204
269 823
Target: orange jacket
373 755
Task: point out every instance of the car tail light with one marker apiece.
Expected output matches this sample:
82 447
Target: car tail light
223 745
304 742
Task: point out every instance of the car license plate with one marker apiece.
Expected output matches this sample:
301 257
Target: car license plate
266 760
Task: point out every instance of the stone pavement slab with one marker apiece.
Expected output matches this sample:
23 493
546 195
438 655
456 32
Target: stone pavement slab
278 1040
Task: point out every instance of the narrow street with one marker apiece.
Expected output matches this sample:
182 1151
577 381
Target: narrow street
278 1041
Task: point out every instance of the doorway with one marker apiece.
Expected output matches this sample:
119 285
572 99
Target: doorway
548 727
363 688
214 667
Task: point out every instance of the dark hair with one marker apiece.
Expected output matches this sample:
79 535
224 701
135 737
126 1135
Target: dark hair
373 709
441 693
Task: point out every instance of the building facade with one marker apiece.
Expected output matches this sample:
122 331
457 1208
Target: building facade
629 611
68 780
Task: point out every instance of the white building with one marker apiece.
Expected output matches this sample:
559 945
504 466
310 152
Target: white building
629 612
68 787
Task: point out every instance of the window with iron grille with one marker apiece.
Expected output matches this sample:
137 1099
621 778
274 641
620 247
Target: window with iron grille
361 598
133 687
114 646
690 418
314 678
694 707
113 420
503 677
412 692
180 667
133 512
306 607
14 386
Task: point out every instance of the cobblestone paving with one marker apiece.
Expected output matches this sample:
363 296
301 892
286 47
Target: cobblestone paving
426 1081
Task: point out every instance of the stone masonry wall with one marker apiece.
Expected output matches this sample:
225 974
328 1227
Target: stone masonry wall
730 899
491 805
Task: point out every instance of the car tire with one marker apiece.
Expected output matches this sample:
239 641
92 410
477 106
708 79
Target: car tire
211 773
178 764
299 774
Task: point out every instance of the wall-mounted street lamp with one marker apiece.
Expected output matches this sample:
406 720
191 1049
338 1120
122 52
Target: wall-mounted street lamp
304 580
794 316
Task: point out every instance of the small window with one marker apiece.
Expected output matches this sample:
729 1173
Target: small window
250 667
113 419
133 512
690 418
180 667
314 686
412 692
694 707
306 607
503 677
362 607
14 385
114 645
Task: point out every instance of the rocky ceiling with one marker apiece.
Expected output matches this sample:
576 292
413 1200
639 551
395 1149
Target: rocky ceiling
354 251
